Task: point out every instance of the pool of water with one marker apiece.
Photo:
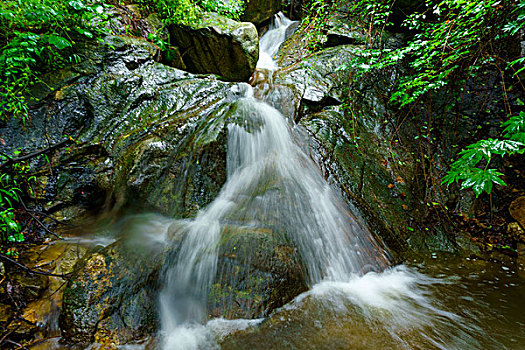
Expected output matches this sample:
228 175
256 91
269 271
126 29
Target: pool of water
442 302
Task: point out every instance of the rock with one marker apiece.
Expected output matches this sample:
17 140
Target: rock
31 285
258 271
515 231
341 34
6 312
352 144
520 261
111 298
135 120
218 45
259 11
517 210
316 81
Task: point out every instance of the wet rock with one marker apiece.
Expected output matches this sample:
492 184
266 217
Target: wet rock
353 145
129 114
258 271
258 11
316 80
218 45
517 210
6 312
343 33
31 285
111 298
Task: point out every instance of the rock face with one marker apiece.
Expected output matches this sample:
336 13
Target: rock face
258 271
218 45
258 11
145 132
153 136
112 297
517 210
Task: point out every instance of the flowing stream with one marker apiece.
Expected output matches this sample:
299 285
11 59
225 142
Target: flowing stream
272 183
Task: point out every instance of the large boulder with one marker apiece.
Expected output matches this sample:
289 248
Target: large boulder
258 11
258 271
146 133
111 298
218 45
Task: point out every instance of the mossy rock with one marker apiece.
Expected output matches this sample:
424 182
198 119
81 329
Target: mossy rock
259 11
111 297
218 45
258 271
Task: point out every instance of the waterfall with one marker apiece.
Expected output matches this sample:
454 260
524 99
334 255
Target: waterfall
271 183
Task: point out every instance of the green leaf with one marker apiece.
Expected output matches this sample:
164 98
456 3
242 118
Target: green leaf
84 32
58 41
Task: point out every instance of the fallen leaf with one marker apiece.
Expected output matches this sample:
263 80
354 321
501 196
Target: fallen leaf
399 179
391 186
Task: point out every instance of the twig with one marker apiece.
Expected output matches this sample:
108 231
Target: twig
37 220
50 217
20 346
36 153
25 268
8 333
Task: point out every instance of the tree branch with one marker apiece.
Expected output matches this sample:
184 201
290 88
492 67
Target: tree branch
35 154
25 268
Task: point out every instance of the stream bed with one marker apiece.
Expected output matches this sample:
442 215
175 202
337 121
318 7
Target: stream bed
436 301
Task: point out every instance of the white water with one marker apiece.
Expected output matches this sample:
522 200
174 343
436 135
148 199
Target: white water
273 183
271 41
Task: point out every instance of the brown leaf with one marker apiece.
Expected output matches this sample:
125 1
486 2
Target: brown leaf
391 186
399 179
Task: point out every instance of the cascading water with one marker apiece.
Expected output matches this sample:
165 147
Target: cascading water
272 183
270 42
297 202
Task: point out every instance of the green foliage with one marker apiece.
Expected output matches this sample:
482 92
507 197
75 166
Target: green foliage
188 12
467 171
35 36
315 22
513 28
457 40
452 40
9 226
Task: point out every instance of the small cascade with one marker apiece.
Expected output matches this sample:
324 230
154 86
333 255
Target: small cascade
271 183
271 41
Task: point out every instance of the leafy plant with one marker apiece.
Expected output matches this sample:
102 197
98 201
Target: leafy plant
35 36
10 230
473 168
188 12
